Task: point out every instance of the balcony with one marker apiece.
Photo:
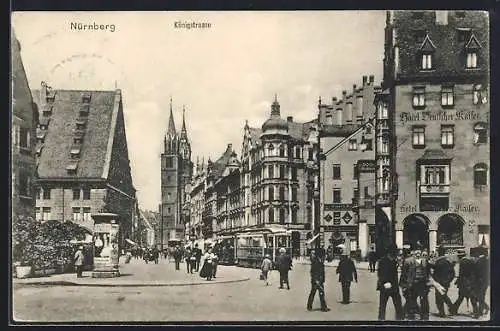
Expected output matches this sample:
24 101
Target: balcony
434 189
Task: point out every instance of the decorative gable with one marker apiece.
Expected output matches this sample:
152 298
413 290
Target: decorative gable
473 43
427 46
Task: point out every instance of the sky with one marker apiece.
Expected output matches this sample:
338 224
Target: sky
222 75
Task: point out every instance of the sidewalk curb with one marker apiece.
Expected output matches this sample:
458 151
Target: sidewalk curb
69 283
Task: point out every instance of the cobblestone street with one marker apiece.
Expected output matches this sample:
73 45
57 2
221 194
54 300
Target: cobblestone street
247 300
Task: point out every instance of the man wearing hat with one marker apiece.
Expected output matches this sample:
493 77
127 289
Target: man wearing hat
414 281
347 273
317 279
443 274
79 257
284 263
388 285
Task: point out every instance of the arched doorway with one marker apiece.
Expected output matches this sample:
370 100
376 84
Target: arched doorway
416 229
383 230
450 231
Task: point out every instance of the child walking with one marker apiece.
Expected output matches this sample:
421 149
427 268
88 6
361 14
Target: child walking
266 267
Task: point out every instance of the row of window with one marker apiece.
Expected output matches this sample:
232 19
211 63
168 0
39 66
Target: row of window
282 194
45 194
337 194
79 214
447 97
448 135
441 175
427 60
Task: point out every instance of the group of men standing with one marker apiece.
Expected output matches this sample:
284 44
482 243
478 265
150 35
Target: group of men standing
419 274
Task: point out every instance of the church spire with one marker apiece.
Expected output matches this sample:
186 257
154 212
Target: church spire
275 107
183 130
171 125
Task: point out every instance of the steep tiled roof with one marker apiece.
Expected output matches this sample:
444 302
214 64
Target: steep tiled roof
222 161
56 153
255 134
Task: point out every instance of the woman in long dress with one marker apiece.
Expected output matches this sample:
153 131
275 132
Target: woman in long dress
207 268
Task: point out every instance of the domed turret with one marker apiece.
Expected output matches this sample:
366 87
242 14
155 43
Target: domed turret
275 124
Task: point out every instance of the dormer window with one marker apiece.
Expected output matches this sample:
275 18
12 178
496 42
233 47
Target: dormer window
471 49
77 141
71 168
426 61
48 111
471 60
75 152
426 54
84 111
80 126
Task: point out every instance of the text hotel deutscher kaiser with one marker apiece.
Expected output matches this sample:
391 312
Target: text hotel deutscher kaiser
191 25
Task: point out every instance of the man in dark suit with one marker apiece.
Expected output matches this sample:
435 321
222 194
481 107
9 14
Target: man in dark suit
284 266
388 285
443 273
197 254
414 281
317 279
347 273
372 260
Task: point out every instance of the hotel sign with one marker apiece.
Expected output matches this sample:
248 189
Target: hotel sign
426 116
337 206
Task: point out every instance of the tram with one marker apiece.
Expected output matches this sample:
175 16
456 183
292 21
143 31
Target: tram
251 246
227 251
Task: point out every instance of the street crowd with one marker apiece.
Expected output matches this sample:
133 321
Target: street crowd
419 273
410 277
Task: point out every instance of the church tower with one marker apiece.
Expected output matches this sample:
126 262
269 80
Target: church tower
176 171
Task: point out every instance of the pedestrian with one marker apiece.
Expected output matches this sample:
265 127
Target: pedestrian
215 261
155 253
387 284
206 270
187 258
317 279
197 255
443 273
177 257
79 258
372 260
347 273
284 264
265 267
415 278
466 283
483 282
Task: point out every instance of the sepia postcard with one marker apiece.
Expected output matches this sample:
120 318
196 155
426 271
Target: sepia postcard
250 166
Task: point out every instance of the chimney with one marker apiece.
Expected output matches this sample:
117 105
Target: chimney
441 17
43 93
353 88
372 79
344 93
289 119
365 78
334 99
229 147
339 116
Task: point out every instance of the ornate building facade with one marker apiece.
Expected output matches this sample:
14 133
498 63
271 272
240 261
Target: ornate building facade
347 170
434 111
176 172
